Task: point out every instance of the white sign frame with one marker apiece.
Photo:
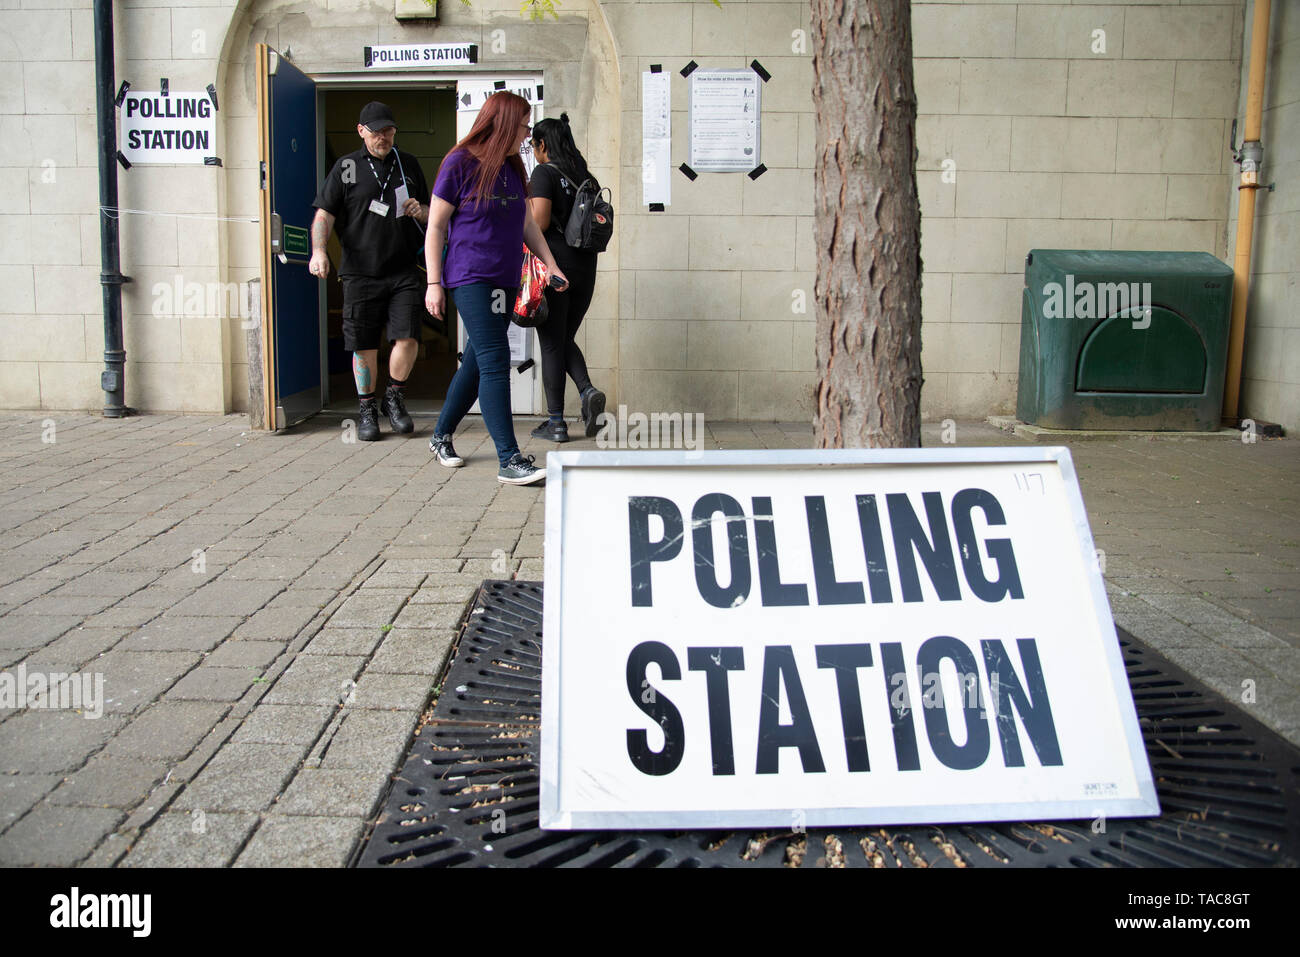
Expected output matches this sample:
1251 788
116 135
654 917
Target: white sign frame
562 465
744 129
133 122
419 56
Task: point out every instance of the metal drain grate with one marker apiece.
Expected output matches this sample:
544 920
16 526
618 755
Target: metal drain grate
468 792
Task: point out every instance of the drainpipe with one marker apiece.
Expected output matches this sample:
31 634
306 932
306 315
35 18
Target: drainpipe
1251 158
113 378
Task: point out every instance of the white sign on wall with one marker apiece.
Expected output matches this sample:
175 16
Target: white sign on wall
419 56
177 128
656 139
777 639
724 120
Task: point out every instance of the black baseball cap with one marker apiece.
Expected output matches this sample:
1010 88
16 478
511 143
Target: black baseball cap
375 116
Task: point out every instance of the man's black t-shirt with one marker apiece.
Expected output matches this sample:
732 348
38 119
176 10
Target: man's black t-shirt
548 182
374 245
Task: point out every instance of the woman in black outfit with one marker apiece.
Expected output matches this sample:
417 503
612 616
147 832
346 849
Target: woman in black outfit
560 170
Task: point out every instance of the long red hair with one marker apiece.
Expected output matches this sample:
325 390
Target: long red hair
492 138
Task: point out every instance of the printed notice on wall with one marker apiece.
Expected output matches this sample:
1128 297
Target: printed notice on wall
177 128
656 139
724 121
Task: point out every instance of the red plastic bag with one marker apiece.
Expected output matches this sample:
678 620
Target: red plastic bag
530 305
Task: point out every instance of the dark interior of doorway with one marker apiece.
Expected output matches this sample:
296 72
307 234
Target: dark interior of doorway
426 129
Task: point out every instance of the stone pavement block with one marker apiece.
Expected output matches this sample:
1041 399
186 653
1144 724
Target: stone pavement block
412 652
276 624
20 792
391 691
423 566
1238 634
460 595
28 632
1191 609
331 793
78 646
299 597
167 731
1285 628
191 839
242 777
239 653
284 724
429 616
45 741
401 581
270 568
134 679
1163 633
1283 662
210 683
369 740
531 569
229 597
367 608
108 781
101 582
177 633
346 641
56 836
56 604
316 679
287 841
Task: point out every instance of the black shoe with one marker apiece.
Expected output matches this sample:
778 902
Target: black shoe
368 422
520 471
440 446
554 431
393 406
593 404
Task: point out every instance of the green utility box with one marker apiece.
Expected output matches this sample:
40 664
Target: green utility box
1123 340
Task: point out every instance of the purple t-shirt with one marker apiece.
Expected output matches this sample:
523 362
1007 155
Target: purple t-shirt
486 239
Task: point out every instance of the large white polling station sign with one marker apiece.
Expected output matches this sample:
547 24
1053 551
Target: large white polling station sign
777 639
176 128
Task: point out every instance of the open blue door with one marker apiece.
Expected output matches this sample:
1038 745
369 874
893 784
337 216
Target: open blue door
291 335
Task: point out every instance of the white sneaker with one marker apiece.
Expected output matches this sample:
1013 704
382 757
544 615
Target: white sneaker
520 471
440 445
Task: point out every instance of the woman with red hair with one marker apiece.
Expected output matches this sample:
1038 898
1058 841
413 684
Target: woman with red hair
480 195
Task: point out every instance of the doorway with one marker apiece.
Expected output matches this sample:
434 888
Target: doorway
426 118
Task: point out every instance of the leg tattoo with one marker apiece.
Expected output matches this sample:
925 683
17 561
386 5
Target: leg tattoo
361 372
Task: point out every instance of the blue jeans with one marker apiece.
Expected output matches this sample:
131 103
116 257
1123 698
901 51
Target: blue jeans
484 372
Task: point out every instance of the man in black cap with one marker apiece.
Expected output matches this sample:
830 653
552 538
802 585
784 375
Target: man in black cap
373 196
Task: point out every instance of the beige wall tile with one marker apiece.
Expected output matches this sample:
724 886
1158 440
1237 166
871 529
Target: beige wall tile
152 339
977 394
790 89
805 250
1178 33
942 30
43 339
1010 357
646 29
986 298
963 245
778 192
28 140
604 299
1063 144
688 295
239 387
718 31
16 239
1112 195
1206 88
936 297
1197 197
1013 87
71 385
1057 31
961 346
776 396
654 241
64 290
63 189
20 290
1120 88
66 86
1273 297
804 345
55 241
777 296
652 344
807 157
15 191
1026 234
937 197
1190 236
1170 145
768 28
35 35
150 35
985 195
780 140
742 242
739 345
938 85
1264 349
972 142
714 394
934 394
20 385
11 88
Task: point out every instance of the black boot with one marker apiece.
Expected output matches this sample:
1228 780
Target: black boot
554 431
368 421
394 406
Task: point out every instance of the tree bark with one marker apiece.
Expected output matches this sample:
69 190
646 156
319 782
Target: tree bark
868 226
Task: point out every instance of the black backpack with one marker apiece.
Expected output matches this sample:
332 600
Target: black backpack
591 221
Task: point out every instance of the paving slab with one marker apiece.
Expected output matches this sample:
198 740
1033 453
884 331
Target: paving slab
168 730
289 841
192 839
54 836
242 777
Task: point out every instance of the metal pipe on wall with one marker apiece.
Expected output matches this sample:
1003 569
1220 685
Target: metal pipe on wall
1252 155
113 378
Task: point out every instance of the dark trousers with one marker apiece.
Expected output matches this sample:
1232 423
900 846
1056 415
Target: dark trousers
560 353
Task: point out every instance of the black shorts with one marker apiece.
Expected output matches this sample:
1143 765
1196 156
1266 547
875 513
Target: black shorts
370 304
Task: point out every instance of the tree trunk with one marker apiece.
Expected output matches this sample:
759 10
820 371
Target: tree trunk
868 226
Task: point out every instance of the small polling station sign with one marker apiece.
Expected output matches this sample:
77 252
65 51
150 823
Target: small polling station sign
816 638
168 128
422 56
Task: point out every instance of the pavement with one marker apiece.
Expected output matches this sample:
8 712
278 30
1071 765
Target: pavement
270 613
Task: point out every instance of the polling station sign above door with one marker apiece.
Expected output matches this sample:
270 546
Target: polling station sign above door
817 638
168 127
